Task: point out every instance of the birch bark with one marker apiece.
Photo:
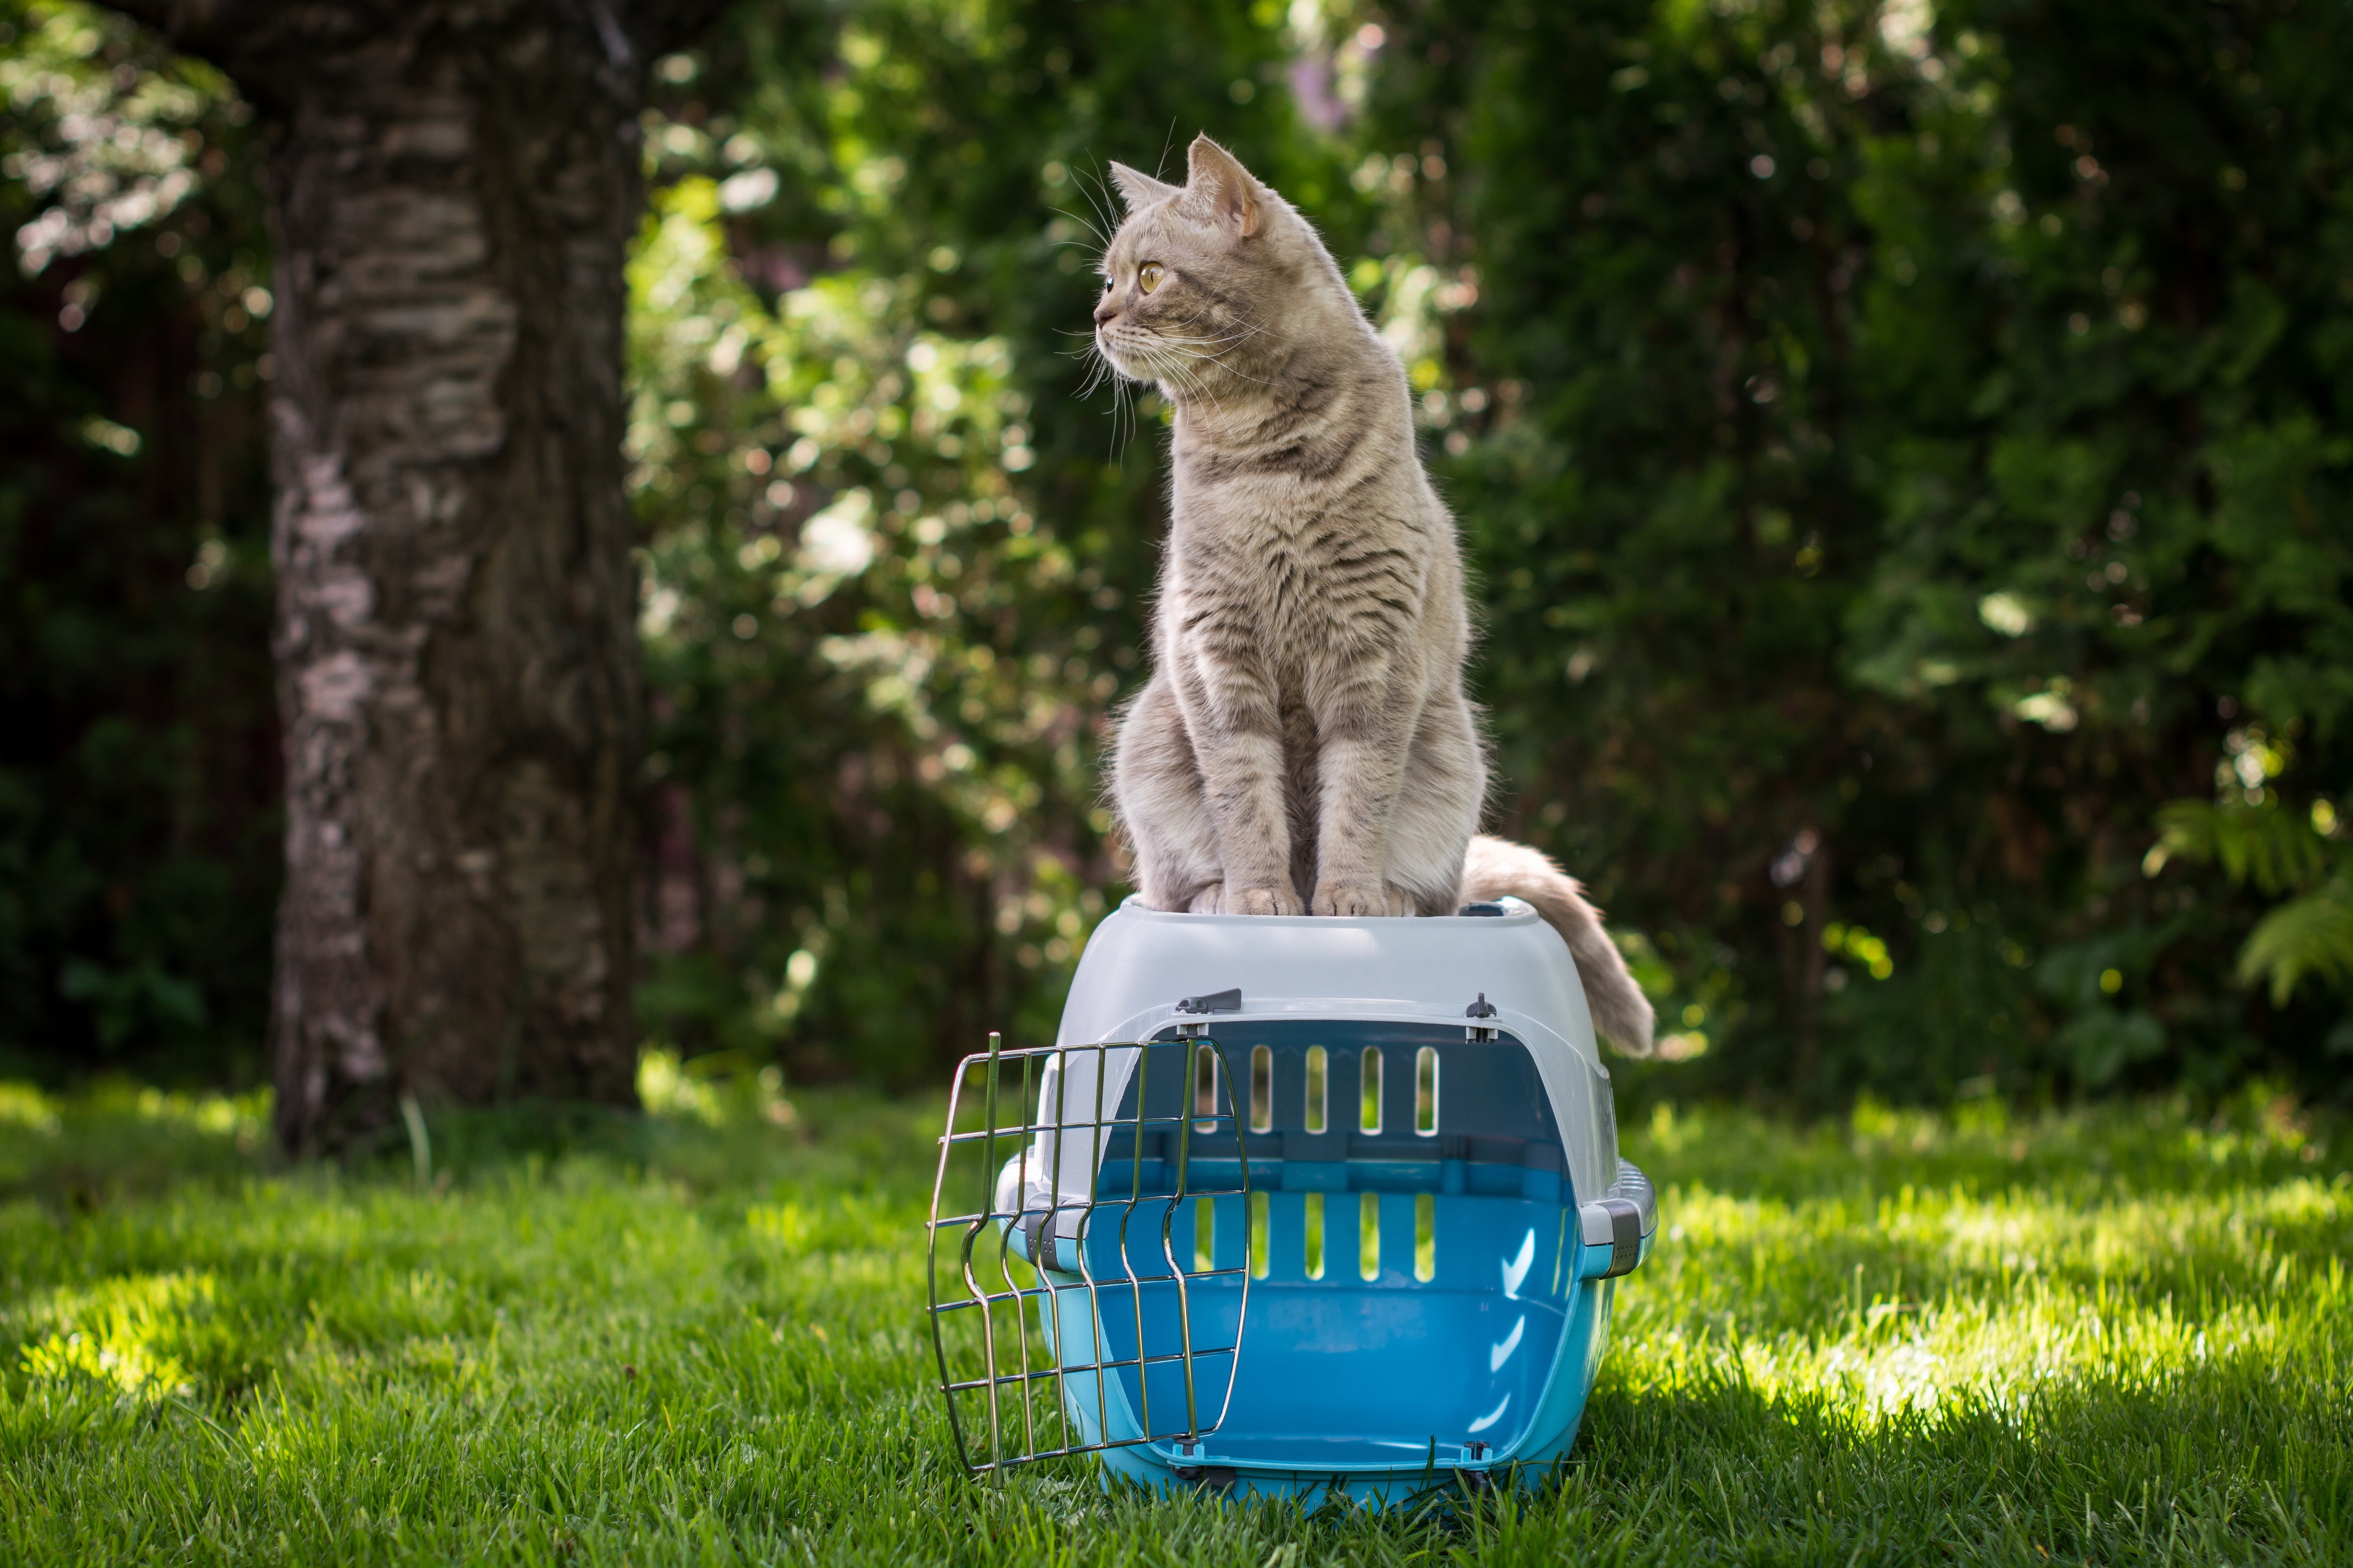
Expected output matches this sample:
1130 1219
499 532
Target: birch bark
452 187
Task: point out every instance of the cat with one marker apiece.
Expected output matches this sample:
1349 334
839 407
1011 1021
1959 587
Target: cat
1303 743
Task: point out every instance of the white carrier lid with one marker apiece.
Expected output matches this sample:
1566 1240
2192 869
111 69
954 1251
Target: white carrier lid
1141 964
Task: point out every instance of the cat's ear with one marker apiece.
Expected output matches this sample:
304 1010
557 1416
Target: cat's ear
1222 189
1138 189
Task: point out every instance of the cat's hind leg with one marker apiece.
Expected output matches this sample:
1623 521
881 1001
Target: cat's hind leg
1156 787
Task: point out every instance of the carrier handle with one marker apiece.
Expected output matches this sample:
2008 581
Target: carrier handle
1618 1227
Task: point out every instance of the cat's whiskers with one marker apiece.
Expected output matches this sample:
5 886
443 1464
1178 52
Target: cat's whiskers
1195 347
1179 379
1102 369
1179 360
1214 348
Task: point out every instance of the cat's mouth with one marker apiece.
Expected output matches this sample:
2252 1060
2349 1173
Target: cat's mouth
1126 356
1141 356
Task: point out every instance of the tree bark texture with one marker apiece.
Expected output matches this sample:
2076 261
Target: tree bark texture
453 186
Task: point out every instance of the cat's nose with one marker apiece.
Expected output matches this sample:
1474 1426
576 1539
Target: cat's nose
1105 311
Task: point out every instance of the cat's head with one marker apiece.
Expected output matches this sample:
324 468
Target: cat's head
1205 282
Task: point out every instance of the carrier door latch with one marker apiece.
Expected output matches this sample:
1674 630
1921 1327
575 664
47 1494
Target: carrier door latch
1481 1009
1227 1001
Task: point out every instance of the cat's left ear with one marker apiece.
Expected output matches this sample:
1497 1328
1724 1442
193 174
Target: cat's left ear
1223 189
1138 189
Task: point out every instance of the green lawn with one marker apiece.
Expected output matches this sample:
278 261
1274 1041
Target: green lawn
2122 1336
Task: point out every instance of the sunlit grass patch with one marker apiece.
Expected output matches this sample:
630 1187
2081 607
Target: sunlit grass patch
2120 1336
2199 1243
121 1332
1935 1293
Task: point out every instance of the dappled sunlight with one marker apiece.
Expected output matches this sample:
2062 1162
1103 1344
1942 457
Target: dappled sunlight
244 1119
240 1119
124 1133
1867 1303
1980 1146
122 1333
714 1091
24 1109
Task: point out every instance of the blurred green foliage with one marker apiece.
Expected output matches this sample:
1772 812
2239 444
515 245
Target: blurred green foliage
138 748
1909 448
1904 448
893 559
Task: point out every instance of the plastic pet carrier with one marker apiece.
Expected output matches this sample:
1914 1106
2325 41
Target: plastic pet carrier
1290 1203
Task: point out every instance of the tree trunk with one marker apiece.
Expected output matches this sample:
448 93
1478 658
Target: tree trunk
452 188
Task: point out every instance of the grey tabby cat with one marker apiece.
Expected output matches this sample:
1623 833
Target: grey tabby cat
1305 745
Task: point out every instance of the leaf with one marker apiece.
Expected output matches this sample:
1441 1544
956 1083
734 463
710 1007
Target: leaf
2278 852
2308 936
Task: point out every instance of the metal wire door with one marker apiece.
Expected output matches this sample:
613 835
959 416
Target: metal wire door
1089 1259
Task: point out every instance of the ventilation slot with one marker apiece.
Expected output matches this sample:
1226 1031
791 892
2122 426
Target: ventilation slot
1261 1089
1425 1092
1319 1085
1369 1117
1369 1234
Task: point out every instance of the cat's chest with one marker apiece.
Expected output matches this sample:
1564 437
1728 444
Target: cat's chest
1288 589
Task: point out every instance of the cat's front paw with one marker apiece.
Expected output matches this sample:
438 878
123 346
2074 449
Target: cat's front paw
1263 902
1358 900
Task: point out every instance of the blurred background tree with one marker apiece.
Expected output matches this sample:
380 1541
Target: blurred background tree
1904 448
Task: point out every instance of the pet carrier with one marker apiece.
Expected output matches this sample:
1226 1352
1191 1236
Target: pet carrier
1290 1203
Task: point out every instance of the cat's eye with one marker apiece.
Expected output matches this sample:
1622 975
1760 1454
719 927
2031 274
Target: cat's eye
1147 277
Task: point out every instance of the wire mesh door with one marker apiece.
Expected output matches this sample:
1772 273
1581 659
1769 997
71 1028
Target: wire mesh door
1089 1263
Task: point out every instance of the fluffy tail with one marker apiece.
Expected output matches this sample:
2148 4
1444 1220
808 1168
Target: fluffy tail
1496 867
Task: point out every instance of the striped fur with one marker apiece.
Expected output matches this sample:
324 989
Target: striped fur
1304 744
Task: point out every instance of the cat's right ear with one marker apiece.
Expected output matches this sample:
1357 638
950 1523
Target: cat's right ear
1138 189
1222 190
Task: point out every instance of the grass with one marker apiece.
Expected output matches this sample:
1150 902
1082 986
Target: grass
2116 1336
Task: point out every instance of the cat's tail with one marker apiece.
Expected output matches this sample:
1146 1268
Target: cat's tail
1496 867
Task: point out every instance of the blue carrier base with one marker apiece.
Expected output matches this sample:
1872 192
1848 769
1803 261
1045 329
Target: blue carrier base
1402 1350
1462 1331
1222 1469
